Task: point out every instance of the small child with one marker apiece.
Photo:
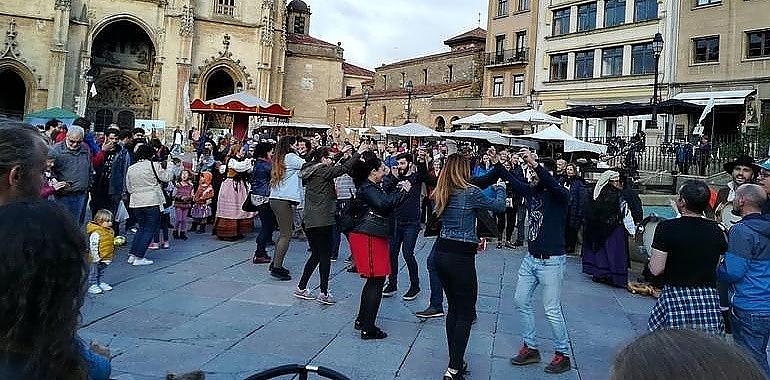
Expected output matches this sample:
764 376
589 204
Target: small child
160 239
101 243
51 185
201 210
183 196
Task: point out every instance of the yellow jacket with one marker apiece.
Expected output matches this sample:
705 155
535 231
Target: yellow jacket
106 241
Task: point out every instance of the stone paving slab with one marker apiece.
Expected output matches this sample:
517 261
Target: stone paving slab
203 305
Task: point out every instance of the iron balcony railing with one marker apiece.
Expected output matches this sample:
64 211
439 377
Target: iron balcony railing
507 57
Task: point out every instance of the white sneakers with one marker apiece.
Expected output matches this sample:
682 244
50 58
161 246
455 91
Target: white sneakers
304 294
138 261
105 286
95 289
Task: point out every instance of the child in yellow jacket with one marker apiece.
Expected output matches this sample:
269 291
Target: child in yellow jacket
101 244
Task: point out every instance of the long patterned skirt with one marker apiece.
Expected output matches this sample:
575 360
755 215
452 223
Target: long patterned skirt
232 222
610 262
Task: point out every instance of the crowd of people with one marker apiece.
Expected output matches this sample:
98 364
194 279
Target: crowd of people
379 197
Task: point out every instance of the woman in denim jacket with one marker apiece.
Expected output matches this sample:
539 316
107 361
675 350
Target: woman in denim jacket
457 202
260 190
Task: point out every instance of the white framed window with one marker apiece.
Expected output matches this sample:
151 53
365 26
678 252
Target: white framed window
497 86
225 7
518 85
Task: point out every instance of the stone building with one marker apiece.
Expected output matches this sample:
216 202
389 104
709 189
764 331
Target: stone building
722 50
446 86
509 68
119 60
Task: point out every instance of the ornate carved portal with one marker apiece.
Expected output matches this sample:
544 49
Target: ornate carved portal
14 94
124 74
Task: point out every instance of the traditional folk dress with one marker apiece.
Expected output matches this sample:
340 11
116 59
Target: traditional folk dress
232 222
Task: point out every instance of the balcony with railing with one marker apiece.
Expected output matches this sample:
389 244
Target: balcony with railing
507 57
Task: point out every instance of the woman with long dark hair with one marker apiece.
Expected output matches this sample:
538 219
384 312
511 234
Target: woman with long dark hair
285 194
43 278
320 207
605 243
457 202
232 222
369 238
260 191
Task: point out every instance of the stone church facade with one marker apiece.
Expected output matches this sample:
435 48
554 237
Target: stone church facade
119 60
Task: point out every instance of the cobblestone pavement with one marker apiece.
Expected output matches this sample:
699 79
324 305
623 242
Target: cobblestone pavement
204 305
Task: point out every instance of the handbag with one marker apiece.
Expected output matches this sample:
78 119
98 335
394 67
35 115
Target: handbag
168 200
374 225
432 225
252 202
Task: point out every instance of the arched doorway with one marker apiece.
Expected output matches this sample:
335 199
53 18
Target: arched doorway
440 124
13 98
219 83
451 123
123 67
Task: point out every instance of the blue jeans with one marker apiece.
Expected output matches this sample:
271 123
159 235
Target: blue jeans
148 219
76 205
99 367
266 227
751 331
550 274
436 287
403 239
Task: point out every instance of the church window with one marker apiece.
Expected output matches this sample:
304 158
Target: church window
299 25
225 7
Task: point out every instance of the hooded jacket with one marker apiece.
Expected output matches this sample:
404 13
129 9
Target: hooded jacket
746 266
320 193
290 188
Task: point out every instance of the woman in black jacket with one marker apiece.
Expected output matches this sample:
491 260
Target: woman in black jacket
369 239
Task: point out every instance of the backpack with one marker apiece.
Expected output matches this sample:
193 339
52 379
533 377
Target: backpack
350 214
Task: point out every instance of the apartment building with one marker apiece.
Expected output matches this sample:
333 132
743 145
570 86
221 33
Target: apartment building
598 52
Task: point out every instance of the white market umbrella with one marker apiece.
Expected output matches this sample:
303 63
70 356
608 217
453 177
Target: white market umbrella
476 119
501 117
492 137
413 130
571 144
535 117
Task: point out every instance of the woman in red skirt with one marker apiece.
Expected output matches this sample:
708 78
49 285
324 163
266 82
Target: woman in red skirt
369 239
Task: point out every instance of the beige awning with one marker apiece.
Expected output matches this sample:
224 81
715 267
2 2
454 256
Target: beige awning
721 98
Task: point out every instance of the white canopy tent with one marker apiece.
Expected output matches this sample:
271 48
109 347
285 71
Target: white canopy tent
492 137
501 117
571 144
534 117
413 130
476 119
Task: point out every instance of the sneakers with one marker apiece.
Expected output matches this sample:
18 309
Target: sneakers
375 334
325 299
518 243
280 274
139 261
95 289
526 356
260 258
560 363
509 244
499 244
165 245
131 259
430 312
304 294
389 290
411 294
105 286
153 246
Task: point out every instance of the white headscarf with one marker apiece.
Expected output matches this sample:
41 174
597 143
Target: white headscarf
604 179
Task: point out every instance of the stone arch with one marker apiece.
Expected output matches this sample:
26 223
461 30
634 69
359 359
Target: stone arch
228 67
451 123
23 80
118 95
102 24
440 124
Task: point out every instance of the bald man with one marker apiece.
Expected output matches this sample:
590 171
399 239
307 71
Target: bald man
746 269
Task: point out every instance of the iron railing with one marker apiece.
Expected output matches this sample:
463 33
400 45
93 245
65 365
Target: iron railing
507 57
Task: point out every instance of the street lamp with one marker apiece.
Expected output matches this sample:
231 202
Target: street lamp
409 89
657 48
366 104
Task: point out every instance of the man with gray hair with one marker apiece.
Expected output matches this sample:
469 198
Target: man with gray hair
22 161
746 269
72 165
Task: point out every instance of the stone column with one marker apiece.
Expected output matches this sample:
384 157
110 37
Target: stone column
58 56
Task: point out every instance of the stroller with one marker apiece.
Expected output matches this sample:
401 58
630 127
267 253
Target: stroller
298 369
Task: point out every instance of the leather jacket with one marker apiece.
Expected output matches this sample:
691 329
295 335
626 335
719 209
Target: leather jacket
380 205
458 221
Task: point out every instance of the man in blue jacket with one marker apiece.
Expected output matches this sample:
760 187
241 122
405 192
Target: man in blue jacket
547 202
746 268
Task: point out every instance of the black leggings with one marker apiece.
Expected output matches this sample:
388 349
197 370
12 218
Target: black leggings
320 240
456 266
371 296
506 223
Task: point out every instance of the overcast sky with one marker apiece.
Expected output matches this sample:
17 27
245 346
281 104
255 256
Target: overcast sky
374 32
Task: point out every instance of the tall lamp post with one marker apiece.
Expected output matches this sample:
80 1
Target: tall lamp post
657 48
366 104
409 89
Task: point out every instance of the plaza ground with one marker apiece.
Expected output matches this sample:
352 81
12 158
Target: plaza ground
204 305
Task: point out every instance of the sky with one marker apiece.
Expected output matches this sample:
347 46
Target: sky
377 32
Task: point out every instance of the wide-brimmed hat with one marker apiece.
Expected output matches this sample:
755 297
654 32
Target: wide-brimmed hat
743 160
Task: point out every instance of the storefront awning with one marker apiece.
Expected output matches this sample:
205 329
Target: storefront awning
721 98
